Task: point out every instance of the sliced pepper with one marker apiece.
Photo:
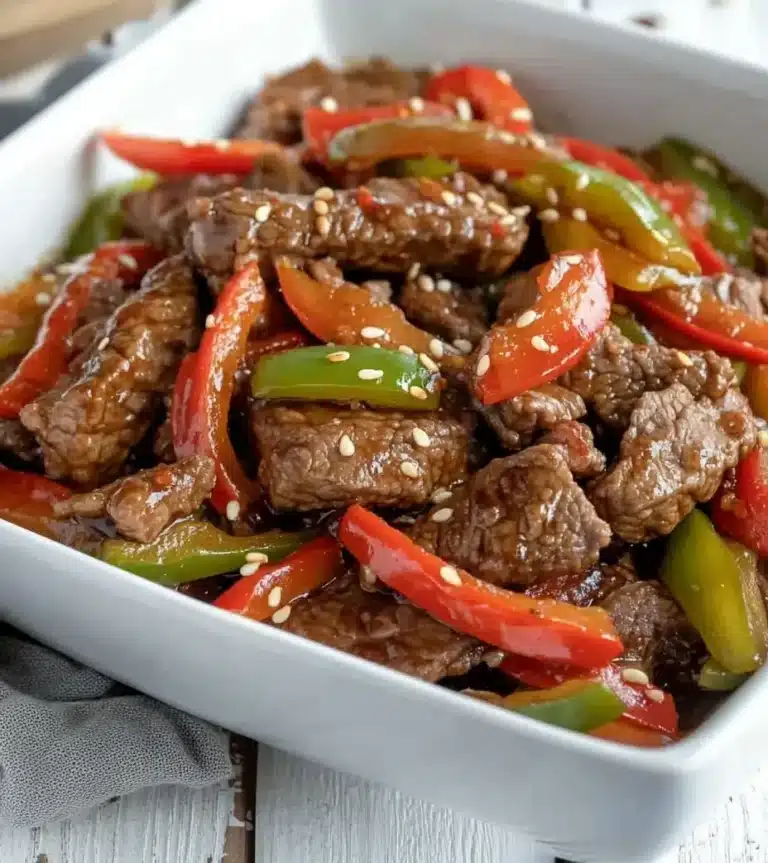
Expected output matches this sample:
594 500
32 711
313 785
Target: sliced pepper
276 344
272 588
716 585
684 202
428 166
573 307
717 679
490 93
740 509
631 328
475 145
47 359
606 158
190 550
204 387
612 202
27 499
540 628
171 156
709 259
755 387
630 734
325 373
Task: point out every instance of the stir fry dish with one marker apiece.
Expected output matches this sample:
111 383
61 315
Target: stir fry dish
394 370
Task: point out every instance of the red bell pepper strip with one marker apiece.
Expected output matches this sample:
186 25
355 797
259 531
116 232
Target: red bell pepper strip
622 731
710 260
27 499
703 317
47 358
276 344
203 391
573 307
169 156
640 709
275 586
320 126
541 628
606 158
683 201
740 508
489 92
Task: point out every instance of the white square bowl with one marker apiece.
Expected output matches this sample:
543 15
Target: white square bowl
588 799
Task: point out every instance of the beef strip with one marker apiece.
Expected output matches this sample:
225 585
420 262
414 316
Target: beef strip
672 456
518 520
584 458
16 440
615 373
744 290
586 588
276 112
442 307
520 292
408 222
162 445
516 421
282 172
760 250
144 504
302 467
376 627
87 427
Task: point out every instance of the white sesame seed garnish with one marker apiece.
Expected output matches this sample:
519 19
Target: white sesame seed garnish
413 271
582 181
210 321
702 163
367 575
323 225
499 176
463 109
417 392
443 285
537 142
48 277
448 198
575 260
523 115
440 495
328 103
282 614
102 344
425 283
421 438
539 343
442 515
476 199
372 332
222 144
548 216
450 575
429 364
370 374
416 104
522 212
536 179
262 212
189 142
437 349
503 76
320 207
128 261
495 207
250 568
579 213
463 345
406 349
325 193
655 695
376 345
409 469
256 557
483 364
346 446
684 359
635 675
275 596
338 357
43 299
233 510
526 319
612 235
551 195
508 137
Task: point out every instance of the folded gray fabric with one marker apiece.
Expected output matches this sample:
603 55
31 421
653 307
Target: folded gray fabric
70 738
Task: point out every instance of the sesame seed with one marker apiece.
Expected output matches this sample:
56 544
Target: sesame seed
508 137
582 181
189 142
233 510
436 349
328 103
655 695
442 515
102 344
503 76
537 142
552 196
376 345
440 495
413 271
483 364
370 374
448 198
323 225
536 179
579 213
702 163
417 392
463 109
346 447
222 144
463 345
762 438
409 469
571 259
450 575
426 283
256 557
49 277
635 675
522 212
429 364
262 212
416 104
495 207
320 207
282 614
684 359
524 115
338 357
249 568
443 285
325 193
210 321
499 176
613 236
421 438
526 319
372 332
406 349
548 216
43 299
274 597
476 199
367 575
539 343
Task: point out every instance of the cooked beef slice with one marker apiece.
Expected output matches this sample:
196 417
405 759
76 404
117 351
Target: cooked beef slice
17 440
87 427
520 292
760 250
281 172
379 628
399 224
672 456
276 112
162 445
615 373
302 466
144 504
516 521
742 289
440 306
584 458
586 588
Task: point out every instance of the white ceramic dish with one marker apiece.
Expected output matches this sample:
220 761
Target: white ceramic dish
590 800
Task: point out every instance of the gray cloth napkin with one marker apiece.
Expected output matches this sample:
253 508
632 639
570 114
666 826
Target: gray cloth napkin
70 738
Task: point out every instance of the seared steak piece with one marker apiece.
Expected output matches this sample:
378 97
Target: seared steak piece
162 446
586 588
144 504
276 112
376 627
520 519
672 456
614 373
281 172
744 289
317 456
584 458
389 225
87 427
520 292
15 439
518 420
442 307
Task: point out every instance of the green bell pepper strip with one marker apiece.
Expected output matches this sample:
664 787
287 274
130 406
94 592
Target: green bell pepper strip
191 550
631 328
346 374
715 582
715 678
102 218
731 219
740 370
428 166
610 201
